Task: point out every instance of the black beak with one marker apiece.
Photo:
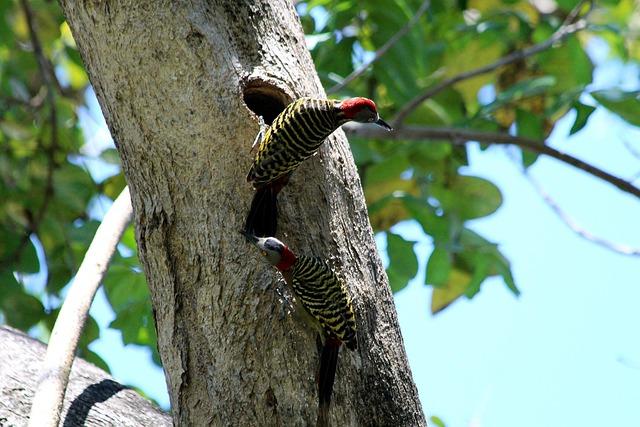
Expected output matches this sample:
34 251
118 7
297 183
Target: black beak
250 238
383 124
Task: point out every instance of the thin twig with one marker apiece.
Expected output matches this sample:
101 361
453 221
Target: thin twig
54 373
384 49
634 152
34 103
575 12
573 225
43 64
562 33
461 136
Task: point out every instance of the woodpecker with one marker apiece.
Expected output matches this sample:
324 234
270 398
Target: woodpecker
295 135
325 299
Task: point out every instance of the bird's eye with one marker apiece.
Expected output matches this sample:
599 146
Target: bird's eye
264 253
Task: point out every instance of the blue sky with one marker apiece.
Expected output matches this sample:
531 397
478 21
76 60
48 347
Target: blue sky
566 352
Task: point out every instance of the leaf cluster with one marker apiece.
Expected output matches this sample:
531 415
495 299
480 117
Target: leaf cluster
51 202
426 181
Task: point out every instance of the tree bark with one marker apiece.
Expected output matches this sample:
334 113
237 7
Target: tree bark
170 78
93 398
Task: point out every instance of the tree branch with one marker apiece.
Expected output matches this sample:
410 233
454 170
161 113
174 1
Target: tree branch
574 226
384 49
461 136
562 33
54 374
93 398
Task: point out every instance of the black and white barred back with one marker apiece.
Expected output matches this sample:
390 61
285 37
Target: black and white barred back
325 297
293 136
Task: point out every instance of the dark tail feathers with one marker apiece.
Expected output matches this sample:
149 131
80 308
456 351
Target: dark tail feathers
326 377
262 220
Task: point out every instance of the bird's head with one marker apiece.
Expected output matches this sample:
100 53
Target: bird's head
362 110
276 252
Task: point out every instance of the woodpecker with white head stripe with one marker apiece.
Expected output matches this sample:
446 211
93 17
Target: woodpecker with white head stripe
295 135
325 298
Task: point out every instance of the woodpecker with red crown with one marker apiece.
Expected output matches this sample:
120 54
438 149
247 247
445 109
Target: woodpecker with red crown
325 299
295 135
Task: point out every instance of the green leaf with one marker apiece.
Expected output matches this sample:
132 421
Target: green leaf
567 5
403 263
482 259
114 185
425 155
131 323
110 155
124 287
444 109
129 238
94 358
388 169
439 227
28 262
386 212
22 253
75 73
436 421
624 104
568 64
526 88
474 260
362 152
333 56
473 52
469 197
80 236
503 268
453 289
529 126
8 285
583 112
409 57
73 190
438 267
20 309
90 333
129 297
479 269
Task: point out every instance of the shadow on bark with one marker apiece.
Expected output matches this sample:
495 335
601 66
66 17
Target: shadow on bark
95 393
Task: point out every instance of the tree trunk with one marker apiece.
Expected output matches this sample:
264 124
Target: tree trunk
93 398
172 79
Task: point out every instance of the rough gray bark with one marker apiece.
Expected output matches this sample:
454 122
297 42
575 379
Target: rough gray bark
93 398
170 78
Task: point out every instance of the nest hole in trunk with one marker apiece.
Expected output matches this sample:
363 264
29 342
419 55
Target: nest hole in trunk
264 99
